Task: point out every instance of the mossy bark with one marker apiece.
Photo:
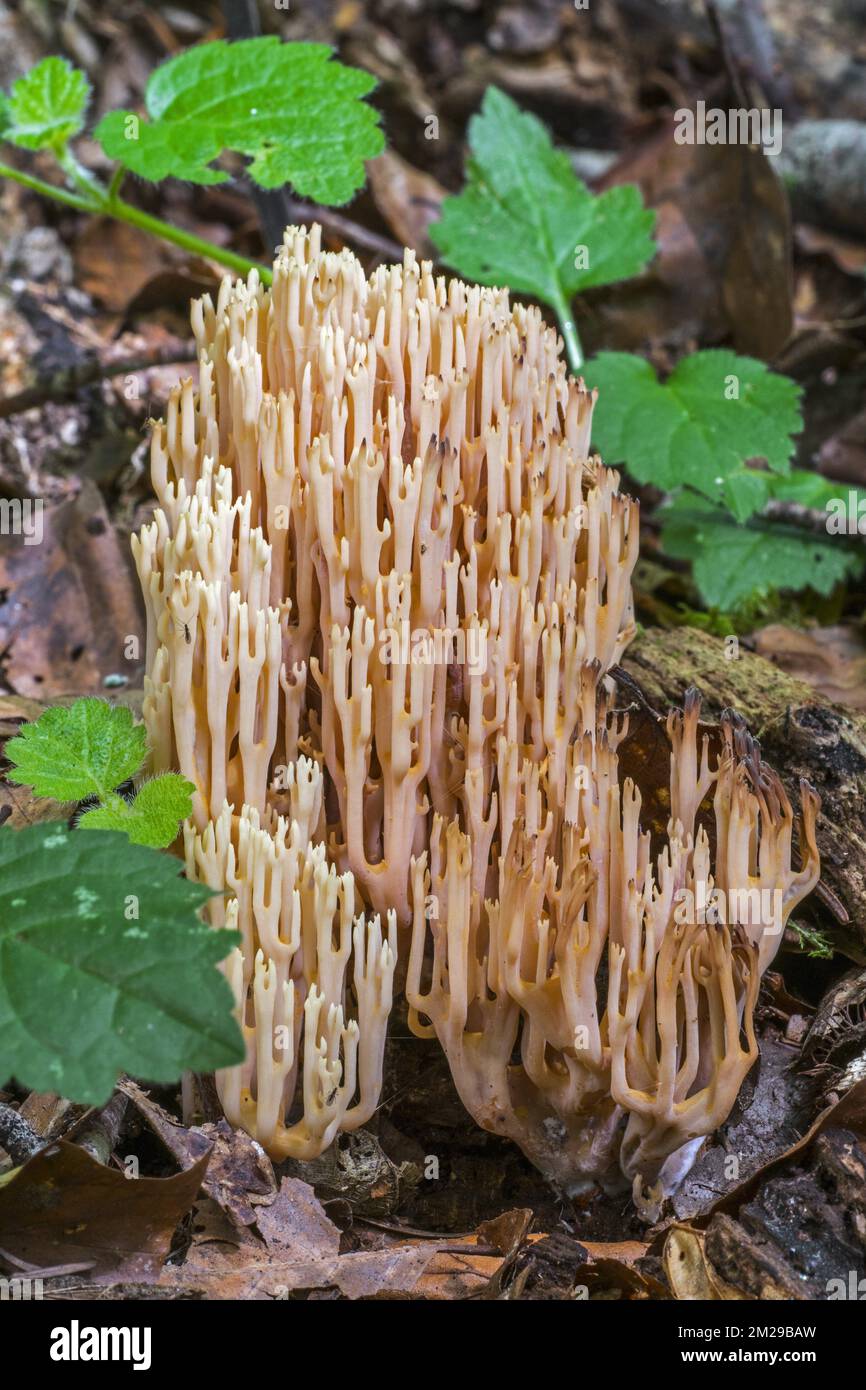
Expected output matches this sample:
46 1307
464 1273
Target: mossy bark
801 735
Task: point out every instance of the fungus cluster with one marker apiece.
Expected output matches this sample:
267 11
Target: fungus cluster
296 919
598 1008
383 586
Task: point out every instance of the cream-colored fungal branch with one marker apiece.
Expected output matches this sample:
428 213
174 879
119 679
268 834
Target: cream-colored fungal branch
312 981
626 979
381 542
385 565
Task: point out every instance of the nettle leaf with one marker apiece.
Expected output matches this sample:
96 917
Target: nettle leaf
731 562
47 105
152 817
715 411
105 967
296 113
527 221
87 749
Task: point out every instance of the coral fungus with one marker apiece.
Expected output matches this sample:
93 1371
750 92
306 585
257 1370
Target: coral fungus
384 585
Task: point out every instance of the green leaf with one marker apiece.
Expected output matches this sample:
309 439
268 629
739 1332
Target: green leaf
715 411
87 749
732 563
746 492
47 105
814 491
298 115
152 817
105 967
527 221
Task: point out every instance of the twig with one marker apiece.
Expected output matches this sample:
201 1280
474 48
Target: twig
779 512
44 1272
399 1230
102 1133
795 514
299 211
622 677
731 67
17 1137
748 50
69 381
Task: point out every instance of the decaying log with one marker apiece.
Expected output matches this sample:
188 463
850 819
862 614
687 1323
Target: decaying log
801 735
803 1235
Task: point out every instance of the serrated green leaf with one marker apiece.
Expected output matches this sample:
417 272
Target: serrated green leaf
161 150
297 114
152 817
68 754
104 965
715 411
526 220
47 105
732 562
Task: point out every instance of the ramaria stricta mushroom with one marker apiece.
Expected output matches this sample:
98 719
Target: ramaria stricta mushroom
384 584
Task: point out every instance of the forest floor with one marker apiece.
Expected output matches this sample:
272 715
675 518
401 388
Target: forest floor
93 332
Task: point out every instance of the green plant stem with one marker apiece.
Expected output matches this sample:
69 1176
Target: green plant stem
48 190
126 212
116 180
573 349
78 176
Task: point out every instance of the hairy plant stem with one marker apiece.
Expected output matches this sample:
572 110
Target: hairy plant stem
97 201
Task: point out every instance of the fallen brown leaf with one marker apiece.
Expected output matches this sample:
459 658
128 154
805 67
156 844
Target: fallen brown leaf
450 1275
63 1207
408 199
238 1167
830 659
299 1249
689 1272
152 271
47 1114
69 603
723 263
849 256
26 809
